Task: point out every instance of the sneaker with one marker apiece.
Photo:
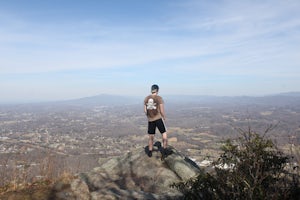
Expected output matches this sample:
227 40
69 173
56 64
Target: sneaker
163 154
150 153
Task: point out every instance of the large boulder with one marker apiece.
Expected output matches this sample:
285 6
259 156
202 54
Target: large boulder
133 176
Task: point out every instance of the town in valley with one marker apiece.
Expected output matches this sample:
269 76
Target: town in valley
47 139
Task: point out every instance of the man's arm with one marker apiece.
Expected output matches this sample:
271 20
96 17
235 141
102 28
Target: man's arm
162 111
145 109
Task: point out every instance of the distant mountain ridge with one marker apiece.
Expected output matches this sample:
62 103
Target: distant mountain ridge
288 98
104 99
292 94
291 98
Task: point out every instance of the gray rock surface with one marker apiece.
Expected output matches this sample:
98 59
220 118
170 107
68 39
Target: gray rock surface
133 176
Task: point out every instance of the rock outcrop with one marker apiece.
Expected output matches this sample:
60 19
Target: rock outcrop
132 176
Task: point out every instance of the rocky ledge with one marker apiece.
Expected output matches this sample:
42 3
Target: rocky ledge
131 176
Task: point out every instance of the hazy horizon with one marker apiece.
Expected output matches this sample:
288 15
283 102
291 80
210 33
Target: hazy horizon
60 50
181 98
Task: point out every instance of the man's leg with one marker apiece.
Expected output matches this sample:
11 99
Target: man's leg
150 144
162 129
165 144
151 133
165 140
150 141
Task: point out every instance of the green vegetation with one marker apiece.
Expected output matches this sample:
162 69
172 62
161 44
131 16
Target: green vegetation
250 167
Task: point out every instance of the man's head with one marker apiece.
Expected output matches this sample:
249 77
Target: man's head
154 88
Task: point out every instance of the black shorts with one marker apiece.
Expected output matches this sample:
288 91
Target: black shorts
157 123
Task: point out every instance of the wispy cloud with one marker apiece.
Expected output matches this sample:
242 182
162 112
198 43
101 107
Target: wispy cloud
240 29
223 38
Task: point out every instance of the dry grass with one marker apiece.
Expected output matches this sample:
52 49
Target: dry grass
21 178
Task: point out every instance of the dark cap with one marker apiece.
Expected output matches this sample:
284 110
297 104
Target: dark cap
154 88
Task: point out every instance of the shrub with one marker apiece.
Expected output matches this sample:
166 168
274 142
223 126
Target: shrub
249 167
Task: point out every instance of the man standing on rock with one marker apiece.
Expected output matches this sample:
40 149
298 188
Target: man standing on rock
154 109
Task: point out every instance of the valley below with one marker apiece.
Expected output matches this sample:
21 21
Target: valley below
50 139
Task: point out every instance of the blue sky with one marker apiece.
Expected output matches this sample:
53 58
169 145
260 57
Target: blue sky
65 49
